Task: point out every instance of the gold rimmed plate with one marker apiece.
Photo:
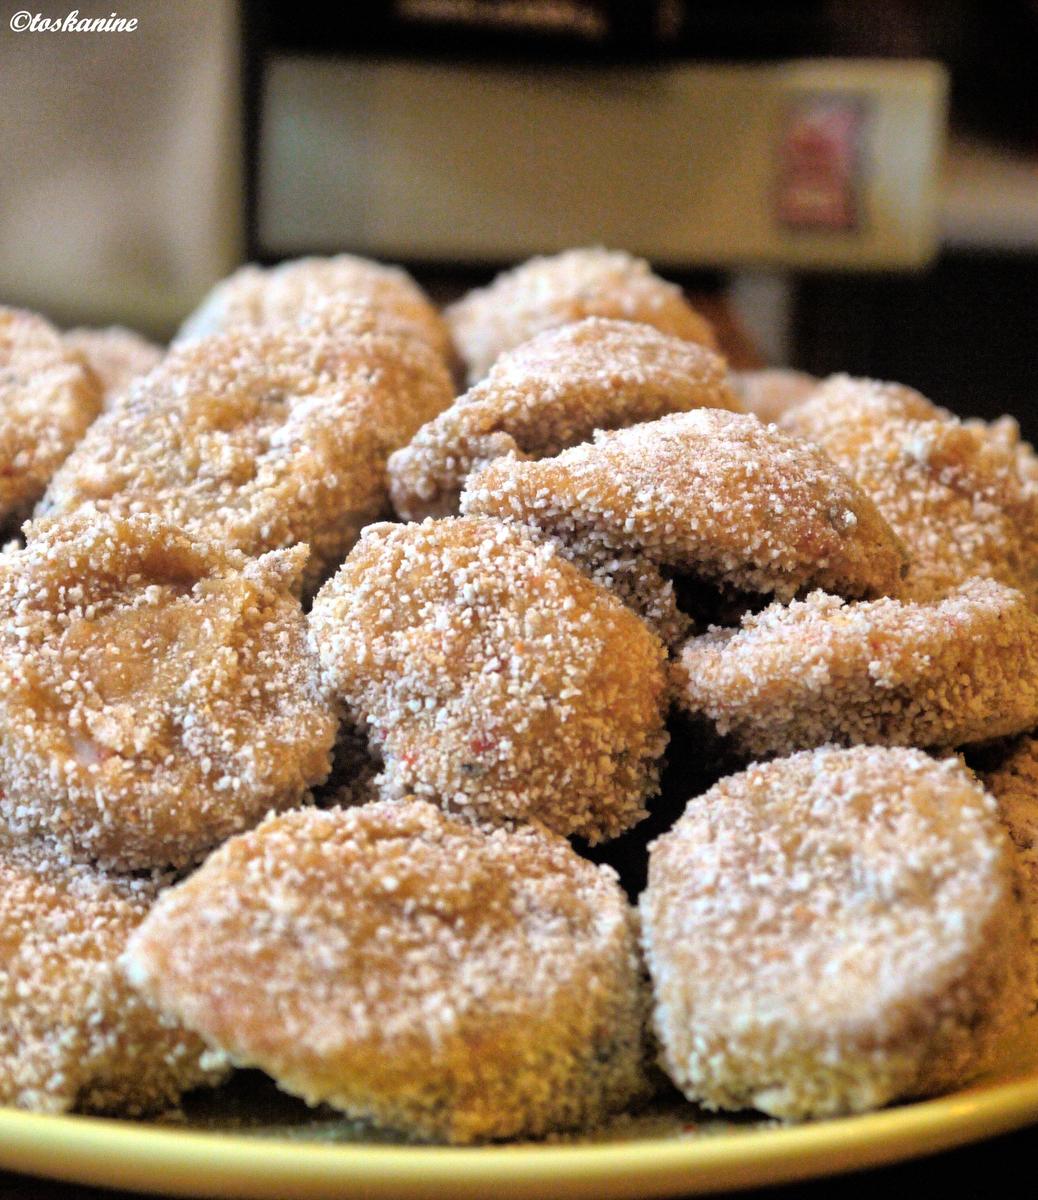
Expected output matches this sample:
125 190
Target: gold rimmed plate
246 1140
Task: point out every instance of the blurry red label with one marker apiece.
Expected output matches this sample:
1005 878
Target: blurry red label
820 163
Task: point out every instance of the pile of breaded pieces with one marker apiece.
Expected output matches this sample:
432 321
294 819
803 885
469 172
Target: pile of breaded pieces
318 680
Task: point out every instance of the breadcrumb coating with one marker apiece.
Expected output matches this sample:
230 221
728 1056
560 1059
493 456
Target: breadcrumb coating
1004 432
493 678
550 393
709 494
833 931
1014 784
262 438
48 397
157 694
404 967
255 295
952 491
546 292
117 357
772 392
944 674
72 1033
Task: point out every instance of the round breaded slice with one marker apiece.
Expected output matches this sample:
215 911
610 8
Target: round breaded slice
1004 432
771 392
1014 784
833 931
48 397
550 393
546 292
263 438
956 493
493 678
73 1035
255 295
157 694
117 356
456 984
943 674
711 495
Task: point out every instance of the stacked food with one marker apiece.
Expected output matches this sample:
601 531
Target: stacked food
328 695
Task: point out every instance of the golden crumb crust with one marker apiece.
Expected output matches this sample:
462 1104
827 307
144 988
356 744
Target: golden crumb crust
262 438
832 931
1004 432
48 397
550 393
157 694
710 494
401 966
73 1034
546 292
944 674
957 493
117 356
1014 784
255 295
493 678
771 392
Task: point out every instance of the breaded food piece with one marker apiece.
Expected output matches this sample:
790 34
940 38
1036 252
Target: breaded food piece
550 393
1004 432
493 678
888 672
833 931
73 1035
262 438
709 494
48 397
1014 784
157 693
952 491
404 967
544 293
773 391
117 356
255 295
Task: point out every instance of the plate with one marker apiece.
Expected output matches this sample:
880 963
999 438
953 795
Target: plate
247 1140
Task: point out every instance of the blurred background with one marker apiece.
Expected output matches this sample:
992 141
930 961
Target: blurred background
843 186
